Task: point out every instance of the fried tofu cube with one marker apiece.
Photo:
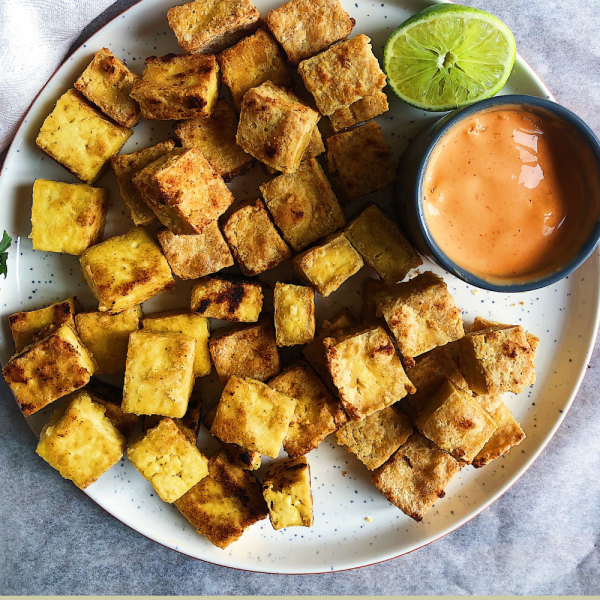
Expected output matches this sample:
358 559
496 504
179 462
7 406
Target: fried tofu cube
276 126
178 86
159 375
35 325
369 289
126 270
360 161
188 323
307 27
229 299
107 82
246 352
67 217
415 476
49 369
366 370
421 314
374 439
167 458
253 239
303 205
80 442
294 314
362 110
382 246
106 337
328 265
480 323
343 74
126 167
224 504
254 416
210 26
286 489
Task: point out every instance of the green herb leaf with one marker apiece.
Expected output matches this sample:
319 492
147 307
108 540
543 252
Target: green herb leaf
4 246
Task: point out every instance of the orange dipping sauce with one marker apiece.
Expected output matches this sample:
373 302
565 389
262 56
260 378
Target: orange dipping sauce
511 193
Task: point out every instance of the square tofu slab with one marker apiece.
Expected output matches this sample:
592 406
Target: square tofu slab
362 110
294 314
480 323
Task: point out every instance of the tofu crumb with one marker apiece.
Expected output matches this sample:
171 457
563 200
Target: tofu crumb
522 303
344 473
368 519
474 292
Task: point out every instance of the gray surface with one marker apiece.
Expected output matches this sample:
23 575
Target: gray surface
541 537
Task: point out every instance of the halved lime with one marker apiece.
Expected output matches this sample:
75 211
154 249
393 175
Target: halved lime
448 56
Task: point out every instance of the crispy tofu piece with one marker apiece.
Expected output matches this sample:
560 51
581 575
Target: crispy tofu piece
246 352
49 369
67 217
159 375
369 289
276 126
253 239
186 322
80 442
294 314
107 82
111 397
382 246
480 323
307 27
415 476
254 416
167 458
126 270
360 161
178 86
367 371
303 205
126 167
229 299
250 63
106 337
421 314
224 504
343 74
329 264
286 489
362 110
315 148
35 325
210 26
374 439
79 137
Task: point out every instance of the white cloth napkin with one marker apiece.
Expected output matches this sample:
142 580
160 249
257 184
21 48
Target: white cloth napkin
35 36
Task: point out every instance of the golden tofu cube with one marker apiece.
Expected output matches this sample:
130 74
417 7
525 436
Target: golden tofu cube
80 442
362 110
480 323
286 489
246 352
369 288
79 137
294 314
382 246
224 504
343 74
188 323
67 217
303 205
210 26
167 458
421 314
126 167
229 299
253 239
366 370
177 87
415 476
48 370
159 375
276 126
126 270
107 82
307 27
106 337
328 265
253 416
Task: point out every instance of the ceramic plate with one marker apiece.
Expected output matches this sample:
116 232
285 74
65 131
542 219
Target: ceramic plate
354 525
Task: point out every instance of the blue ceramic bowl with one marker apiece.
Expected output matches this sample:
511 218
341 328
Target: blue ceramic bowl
411 174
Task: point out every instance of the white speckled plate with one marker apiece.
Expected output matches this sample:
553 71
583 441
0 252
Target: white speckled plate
565 316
